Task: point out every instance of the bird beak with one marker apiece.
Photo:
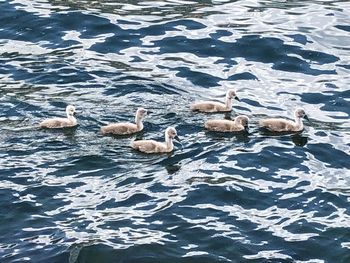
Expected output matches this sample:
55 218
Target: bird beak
236 98
246 128
306 118
74 113
177 138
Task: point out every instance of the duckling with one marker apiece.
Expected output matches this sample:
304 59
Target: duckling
124 128
70 121
283 125
240 123
151 146
213 106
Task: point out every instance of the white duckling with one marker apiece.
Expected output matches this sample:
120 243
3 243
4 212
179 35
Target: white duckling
70 121
283 125
214 106
151 146
240 123
124 128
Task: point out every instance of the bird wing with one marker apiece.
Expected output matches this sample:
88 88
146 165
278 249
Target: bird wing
147 146
55 123
119 128
208 106
278 125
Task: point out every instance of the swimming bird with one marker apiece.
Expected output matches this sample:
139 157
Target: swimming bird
240 123
283 125
70 121
214 106
124 128
151 146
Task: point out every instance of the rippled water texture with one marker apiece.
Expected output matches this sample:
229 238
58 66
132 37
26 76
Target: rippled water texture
77 196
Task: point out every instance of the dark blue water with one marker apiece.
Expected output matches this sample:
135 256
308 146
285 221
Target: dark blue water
76 196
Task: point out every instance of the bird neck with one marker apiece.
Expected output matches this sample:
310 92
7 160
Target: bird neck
238 123
169 142
299 123
228 102
72 119
138 121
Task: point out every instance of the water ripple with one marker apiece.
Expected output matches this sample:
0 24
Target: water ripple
78 196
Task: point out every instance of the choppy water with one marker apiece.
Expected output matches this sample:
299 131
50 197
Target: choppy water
76 196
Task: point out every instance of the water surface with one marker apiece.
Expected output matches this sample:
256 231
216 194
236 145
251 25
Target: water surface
77 196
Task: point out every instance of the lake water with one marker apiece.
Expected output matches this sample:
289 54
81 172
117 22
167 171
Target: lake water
76 196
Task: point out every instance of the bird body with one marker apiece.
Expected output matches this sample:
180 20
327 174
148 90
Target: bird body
151 146
240 123
121 128
70 121
210 106
214 106
284 125
125 128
